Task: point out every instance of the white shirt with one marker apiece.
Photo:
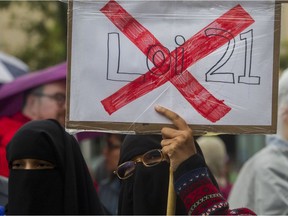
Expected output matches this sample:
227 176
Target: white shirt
262 184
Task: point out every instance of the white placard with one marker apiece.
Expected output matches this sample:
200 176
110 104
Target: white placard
211 62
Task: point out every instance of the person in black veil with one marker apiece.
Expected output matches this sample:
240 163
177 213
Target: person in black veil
48 174
144 188
143 191
144 171
144 185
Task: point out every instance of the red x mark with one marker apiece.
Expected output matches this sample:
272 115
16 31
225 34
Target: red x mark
197 47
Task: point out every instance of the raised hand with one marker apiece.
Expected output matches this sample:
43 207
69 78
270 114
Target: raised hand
178 142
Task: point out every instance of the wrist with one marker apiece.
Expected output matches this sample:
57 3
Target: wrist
194 162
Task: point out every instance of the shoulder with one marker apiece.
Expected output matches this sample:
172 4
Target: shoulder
258 161
16 121
8 127
270 162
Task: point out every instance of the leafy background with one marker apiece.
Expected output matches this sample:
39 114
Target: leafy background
36 32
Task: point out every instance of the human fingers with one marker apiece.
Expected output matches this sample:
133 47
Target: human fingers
172 116
168 133
175 155
166 142
177 137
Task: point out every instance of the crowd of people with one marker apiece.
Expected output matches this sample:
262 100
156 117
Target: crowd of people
49 175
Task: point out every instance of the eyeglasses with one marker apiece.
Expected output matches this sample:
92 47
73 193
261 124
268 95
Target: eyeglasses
60 98
149 159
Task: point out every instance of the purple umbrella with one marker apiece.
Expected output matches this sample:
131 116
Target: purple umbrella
12 94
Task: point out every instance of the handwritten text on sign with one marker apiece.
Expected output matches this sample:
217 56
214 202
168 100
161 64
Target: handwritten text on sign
209 65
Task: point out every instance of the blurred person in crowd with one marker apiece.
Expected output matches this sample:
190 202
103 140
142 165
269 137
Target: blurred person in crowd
262 183
109 188
34 96
98 169
48 174
216 157
193 181
46 101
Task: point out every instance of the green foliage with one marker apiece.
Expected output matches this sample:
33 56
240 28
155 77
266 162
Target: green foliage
5 4
47 42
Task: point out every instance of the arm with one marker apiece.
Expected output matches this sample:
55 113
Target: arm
192 180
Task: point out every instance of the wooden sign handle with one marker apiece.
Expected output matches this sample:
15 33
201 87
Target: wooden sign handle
171 200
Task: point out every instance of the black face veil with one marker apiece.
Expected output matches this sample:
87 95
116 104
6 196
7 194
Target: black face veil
67 189
145 192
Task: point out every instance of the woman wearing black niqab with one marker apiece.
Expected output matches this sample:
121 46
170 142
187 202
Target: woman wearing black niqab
145 192
65 189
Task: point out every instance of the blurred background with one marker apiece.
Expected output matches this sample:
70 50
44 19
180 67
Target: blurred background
36 33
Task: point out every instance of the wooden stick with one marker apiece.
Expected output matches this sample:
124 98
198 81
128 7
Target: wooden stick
171 200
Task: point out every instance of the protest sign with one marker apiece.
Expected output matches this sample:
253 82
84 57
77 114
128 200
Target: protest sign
214 63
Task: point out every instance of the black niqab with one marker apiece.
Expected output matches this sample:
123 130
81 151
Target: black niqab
145 192
67 189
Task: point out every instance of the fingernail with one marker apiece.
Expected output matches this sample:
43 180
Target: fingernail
157 107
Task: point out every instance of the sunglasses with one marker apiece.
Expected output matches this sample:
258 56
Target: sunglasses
149 159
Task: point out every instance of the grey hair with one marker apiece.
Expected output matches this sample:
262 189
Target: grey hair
283 88
282 100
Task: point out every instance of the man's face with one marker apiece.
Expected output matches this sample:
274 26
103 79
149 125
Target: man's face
112 152
49 105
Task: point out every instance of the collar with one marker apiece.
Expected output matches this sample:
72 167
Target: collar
276 140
